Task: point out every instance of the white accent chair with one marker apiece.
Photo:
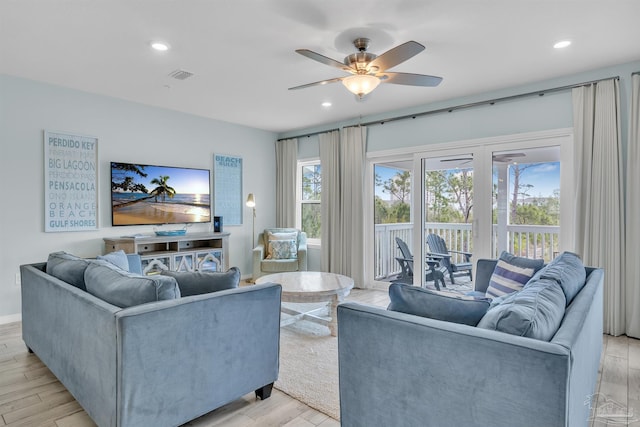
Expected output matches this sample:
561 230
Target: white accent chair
263 265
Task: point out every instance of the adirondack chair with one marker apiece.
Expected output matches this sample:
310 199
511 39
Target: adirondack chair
434 273
438 248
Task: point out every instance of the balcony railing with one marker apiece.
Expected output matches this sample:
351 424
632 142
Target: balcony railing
531 241
386 249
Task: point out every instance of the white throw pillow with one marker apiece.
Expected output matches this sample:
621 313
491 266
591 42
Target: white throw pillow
282 235
283 249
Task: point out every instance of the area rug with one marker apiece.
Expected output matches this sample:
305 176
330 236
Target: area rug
309 366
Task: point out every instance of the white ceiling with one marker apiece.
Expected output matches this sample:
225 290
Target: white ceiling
242 51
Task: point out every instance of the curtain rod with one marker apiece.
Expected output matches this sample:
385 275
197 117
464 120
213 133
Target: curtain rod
490 102
635 72
309 134
463 106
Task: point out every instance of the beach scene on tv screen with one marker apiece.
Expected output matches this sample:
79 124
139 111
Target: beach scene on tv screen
143 194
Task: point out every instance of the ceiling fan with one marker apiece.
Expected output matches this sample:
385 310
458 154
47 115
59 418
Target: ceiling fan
369 70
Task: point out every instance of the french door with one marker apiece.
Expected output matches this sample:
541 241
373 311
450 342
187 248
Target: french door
510 194
445 208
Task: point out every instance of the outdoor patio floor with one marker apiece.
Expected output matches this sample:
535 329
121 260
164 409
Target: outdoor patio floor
462 283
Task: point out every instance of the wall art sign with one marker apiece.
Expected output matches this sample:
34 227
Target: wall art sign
227 183
70 182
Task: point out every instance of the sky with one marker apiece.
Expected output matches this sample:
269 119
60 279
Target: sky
545 177
183 180
384 173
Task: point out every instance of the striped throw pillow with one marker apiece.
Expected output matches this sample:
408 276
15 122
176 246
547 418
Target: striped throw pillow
511 274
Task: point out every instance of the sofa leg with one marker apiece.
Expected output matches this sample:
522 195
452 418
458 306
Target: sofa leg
264 392
29 350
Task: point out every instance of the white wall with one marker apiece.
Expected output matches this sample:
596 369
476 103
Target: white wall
126 132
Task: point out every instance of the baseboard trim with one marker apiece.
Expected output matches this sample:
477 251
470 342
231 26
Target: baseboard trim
12 318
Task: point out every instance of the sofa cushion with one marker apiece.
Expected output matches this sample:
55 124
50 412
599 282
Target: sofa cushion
68 268
123 289
117 258
283 249
511 273
568 271
200 282
279 265
535 312
436 305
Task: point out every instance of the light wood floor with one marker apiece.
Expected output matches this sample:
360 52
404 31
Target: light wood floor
31 396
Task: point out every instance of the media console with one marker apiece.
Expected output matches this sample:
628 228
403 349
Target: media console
189 252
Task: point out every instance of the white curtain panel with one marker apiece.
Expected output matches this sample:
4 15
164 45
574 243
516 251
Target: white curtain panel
286 164
342 156
353 153
599 215
330 229
633 214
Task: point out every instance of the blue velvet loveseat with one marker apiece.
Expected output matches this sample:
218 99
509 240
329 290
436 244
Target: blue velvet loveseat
399 369
159 363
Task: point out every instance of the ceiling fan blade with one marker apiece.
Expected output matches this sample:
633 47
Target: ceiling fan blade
397 55
457 160
509 155
324 60
410 79
322 82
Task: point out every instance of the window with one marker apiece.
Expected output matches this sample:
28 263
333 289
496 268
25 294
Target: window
310 190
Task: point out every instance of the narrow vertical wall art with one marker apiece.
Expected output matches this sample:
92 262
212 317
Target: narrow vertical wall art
70 182
227 183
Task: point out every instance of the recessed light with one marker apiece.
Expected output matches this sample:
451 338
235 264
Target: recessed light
326 104
160 46
562 44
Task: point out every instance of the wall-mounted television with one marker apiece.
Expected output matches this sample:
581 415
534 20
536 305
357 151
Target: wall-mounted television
153 195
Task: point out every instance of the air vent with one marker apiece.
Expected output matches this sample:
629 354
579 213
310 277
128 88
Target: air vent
180 74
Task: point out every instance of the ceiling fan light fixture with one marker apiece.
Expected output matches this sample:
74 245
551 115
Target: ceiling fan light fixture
361 84
562 44
160 46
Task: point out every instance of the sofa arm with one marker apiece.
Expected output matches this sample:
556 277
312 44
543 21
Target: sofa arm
182 358
74 334
425 372
258 256
302 251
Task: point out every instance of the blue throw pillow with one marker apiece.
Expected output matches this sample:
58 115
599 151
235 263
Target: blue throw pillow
123 289
535 312
511 274
200 282
135 263
568 271
117 258
436 305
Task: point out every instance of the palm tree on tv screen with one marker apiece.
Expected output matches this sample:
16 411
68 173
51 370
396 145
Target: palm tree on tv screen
163 189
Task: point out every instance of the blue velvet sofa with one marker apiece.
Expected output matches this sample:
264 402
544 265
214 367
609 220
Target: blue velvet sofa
155 364
399 369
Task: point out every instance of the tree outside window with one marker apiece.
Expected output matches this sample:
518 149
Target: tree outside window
392 200
310 202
